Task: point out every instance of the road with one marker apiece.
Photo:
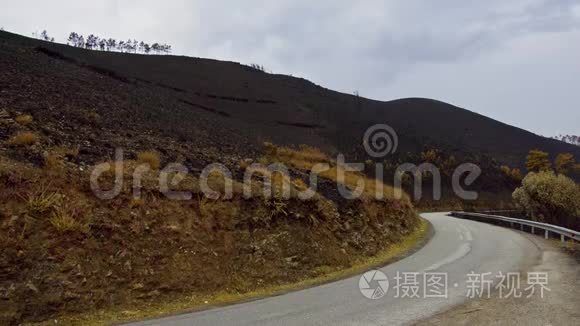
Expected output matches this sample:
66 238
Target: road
458 248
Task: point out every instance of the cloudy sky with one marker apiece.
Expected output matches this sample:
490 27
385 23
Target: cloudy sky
517 61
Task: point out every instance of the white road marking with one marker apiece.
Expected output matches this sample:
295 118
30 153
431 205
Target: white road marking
461 252
468 236
465 233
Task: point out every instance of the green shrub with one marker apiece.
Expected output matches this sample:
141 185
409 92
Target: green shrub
550 198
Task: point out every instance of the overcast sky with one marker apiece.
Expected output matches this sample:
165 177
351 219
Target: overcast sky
517 61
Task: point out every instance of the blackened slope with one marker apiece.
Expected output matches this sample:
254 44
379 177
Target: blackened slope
260 100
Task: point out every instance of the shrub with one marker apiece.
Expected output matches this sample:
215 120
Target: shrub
24 139
149 157
514 173
24 119
550 198
564 163
538 160
430 156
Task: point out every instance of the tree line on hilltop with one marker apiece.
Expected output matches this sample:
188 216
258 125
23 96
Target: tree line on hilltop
570 139
94 42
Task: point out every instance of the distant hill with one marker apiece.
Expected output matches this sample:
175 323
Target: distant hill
226 109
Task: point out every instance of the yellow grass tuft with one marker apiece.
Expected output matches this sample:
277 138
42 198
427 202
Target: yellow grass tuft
244 164
43 201
24 119
24 139
66 151
149 157
299 184
63 221
136 202
305 158
55 158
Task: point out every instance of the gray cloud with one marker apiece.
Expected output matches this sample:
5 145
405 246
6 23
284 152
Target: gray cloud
455 50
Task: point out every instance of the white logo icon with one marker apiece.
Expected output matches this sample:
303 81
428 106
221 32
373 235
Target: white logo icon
373 284
380 140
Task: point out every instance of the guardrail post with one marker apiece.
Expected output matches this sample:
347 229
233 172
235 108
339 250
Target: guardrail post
521 227
533 229
547 234
562 238
512 225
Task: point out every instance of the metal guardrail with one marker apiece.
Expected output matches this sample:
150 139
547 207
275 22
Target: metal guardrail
563 232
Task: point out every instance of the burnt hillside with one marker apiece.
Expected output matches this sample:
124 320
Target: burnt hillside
228 109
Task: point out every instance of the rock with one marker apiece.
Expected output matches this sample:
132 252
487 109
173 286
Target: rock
68 295
137 286
291 259
31 287
347 226
154 293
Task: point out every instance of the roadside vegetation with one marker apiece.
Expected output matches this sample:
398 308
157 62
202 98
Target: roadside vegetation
24 139
66 252
547 194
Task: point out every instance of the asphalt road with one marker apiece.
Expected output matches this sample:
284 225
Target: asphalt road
458 248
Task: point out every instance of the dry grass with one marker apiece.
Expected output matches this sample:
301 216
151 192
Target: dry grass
200 237
24 119
136 202
43 201
55 158
24 139
53 162
305 158
66 151
149 157
299 184
278 181
244 164
63 221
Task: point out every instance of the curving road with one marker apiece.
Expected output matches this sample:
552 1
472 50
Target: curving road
458 247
